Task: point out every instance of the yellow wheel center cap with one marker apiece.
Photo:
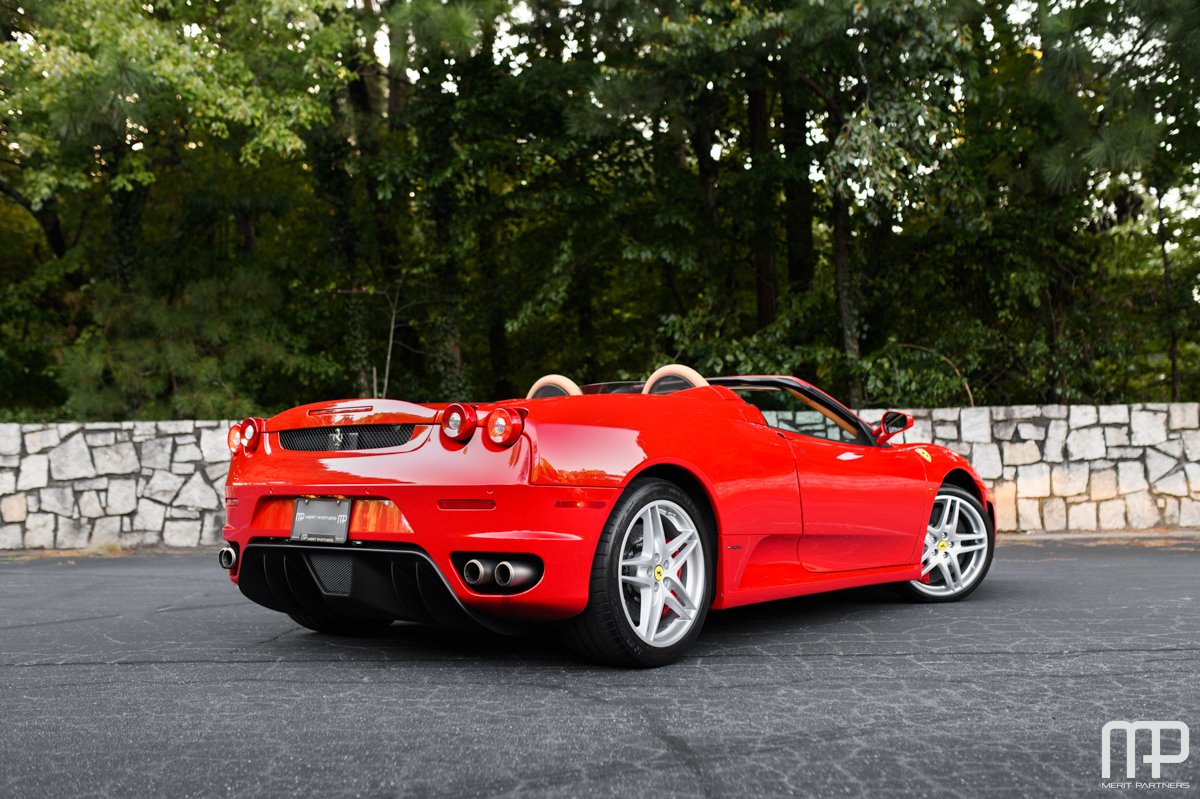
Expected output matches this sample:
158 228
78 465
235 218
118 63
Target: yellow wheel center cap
658 573
943 545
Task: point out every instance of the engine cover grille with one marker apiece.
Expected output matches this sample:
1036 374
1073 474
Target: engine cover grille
346 437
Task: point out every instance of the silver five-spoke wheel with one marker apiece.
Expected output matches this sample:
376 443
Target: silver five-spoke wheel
957 547
662 573
652 578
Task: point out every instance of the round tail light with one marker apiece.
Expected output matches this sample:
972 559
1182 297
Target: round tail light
234 438
459 422
504 427
252 433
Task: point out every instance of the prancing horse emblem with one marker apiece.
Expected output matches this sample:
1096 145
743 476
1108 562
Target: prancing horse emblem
335 438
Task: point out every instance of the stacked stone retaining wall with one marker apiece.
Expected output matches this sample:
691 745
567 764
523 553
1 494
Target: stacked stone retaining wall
70 485
1052 467
1078 467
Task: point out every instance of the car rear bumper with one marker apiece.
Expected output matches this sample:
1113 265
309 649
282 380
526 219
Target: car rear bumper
399 582
407 545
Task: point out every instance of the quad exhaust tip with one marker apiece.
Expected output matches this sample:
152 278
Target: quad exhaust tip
511 574
477 572
481 572
227 558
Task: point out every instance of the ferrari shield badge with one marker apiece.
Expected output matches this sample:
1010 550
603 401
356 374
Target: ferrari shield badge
925 454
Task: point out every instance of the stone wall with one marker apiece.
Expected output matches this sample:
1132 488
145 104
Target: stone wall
64 486
1079 467
1052 467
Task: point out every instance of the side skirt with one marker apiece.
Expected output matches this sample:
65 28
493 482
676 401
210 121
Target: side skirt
828 582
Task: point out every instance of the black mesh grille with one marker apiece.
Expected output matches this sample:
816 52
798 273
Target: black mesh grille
346 437
334 572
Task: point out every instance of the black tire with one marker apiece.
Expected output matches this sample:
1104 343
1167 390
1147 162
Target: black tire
603 632
911 592
341 625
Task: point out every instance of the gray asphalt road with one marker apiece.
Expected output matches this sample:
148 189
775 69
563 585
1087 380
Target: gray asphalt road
151 675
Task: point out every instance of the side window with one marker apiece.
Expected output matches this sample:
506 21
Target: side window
790 411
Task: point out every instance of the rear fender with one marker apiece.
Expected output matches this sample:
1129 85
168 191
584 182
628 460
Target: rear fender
745 473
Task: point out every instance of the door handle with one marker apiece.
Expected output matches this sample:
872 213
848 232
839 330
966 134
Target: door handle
795 449
849 456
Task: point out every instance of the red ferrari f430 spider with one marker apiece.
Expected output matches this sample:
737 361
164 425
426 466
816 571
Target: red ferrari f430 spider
624 512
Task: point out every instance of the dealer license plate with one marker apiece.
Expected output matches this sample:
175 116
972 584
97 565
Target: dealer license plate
323 520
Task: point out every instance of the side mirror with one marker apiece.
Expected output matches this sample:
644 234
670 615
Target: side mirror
893 424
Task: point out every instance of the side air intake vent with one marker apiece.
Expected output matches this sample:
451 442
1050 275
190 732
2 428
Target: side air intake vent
346 437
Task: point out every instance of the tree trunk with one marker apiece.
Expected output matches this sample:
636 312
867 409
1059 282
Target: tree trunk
399 88
710 249
1171 313
497 335
446 356
762 245
125 214
247 233
579 302
47 218
333 183
51 224
846 282
801 259
502 386
702 137
447 346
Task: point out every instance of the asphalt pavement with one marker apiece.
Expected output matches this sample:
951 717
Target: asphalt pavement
150 675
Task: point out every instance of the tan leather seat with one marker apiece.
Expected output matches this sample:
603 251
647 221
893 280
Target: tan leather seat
673 377
553 386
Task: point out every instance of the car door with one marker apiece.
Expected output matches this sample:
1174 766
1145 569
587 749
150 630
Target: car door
863 505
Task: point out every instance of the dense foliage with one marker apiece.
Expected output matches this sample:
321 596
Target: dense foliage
216 207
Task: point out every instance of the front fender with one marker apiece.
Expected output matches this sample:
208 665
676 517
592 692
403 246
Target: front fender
945 465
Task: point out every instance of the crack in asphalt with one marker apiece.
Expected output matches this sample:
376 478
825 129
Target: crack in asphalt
182 608
59 621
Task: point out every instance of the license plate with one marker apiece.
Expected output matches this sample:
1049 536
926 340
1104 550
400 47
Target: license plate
323 520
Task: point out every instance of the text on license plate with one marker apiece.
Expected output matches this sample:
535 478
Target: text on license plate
321 520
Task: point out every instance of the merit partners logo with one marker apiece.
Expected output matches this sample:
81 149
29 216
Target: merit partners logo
1156 758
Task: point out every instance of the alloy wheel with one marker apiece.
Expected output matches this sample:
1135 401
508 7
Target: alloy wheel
955 549
662 573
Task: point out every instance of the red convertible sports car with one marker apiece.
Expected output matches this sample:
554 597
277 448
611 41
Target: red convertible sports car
624 511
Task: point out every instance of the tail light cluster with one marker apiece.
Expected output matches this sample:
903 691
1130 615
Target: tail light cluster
502 426
245 436
459 422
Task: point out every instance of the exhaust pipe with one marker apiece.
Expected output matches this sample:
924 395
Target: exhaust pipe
514 575
227 558
479 572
